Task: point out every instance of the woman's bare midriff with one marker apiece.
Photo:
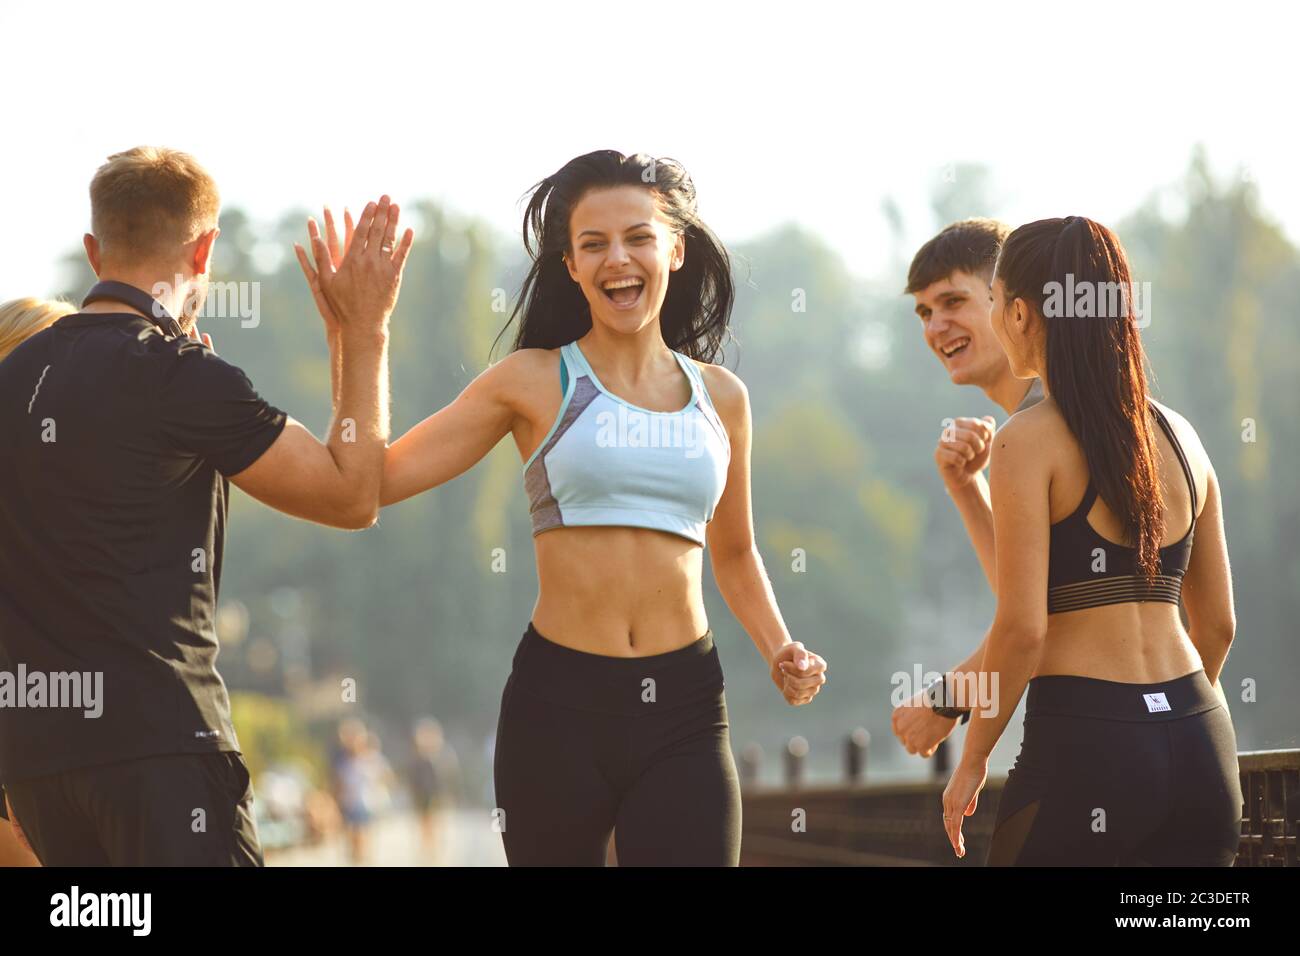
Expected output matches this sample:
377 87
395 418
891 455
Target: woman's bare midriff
620 592
1131 643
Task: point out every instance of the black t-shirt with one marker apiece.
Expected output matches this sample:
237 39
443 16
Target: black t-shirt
116 443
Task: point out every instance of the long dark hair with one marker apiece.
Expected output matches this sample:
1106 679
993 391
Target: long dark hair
697 305
1096 367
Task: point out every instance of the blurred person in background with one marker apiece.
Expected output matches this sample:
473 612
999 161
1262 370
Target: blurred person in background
362 778
432 777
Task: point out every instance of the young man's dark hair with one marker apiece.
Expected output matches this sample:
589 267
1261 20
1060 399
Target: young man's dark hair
122 430
971 245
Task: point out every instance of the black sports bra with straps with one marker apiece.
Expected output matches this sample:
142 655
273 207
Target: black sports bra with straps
1073 585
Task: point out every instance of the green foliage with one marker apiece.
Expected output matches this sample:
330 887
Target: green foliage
270 732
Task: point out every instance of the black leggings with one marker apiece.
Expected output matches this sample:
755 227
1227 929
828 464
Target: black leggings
587 744
1116 774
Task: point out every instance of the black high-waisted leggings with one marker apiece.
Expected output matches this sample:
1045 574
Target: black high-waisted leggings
587 744
1116 774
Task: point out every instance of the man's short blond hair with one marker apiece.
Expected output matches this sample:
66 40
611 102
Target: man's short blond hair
149 201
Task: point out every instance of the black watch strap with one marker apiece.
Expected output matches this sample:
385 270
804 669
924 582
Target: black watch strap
939 702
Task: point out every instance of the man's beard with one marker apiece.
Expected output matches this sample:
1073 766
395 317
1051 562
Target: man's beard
192 306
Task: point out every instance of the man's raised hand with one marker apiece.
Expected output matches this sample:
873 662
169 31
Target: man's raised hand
336 255
356 288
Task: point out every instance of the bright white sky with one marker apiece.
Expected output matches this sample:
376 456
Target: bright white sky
807 112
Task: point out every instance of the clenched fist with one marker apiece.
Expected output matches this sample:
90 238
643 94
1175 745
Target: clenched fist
918 727
963 450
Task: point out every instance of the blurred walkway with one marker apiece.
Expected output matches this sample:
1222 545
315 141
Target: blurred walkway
466 839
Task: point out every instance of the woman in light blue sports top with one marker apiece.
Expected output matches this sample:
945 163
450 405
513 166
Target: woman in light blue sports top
635 448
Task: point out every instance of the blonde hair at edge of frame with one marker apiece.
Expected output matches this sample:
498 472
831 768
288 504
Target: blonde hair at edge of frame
22 318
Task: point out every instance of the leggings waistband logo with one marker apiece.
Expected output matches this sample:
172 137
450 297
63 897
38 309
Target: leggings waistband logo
1156 702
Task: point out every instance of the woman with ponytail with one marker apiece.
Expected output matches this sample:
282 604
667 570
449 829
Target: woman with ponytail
1106 513
635 446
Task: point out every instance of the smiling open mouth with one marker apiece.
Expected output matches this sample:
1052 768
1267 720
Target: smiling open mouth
955 347
623 292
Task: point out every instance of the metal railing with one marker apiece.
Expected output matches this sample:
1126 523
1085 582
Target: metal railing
1270 817
899 824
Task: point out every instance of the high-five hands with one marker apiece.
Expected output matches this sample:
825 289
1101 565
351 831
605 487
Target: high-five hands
356 287
798 673
336 255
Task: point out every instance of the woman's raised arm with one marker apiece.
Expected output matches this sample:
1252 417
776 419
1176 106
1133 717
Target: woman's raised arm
454 439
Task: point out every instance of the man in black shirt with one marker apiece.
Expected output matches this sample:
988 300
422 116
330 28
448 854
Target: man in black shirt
121 430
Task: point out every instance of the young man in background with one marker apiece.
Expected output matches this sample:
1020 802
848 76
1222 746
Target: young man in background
949 280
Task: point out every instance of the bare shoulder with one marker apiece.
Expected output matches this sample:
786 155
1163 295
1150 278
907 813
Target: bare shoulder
728 392
1029 446
1187 436
1197 457
529 361
1039 422
523 371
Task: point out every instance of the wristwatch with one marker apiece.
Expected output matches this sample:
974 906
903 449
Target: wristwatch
938 701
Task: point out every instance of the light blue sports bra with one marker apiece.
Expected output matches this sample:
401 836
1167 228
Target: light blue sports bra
608 462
